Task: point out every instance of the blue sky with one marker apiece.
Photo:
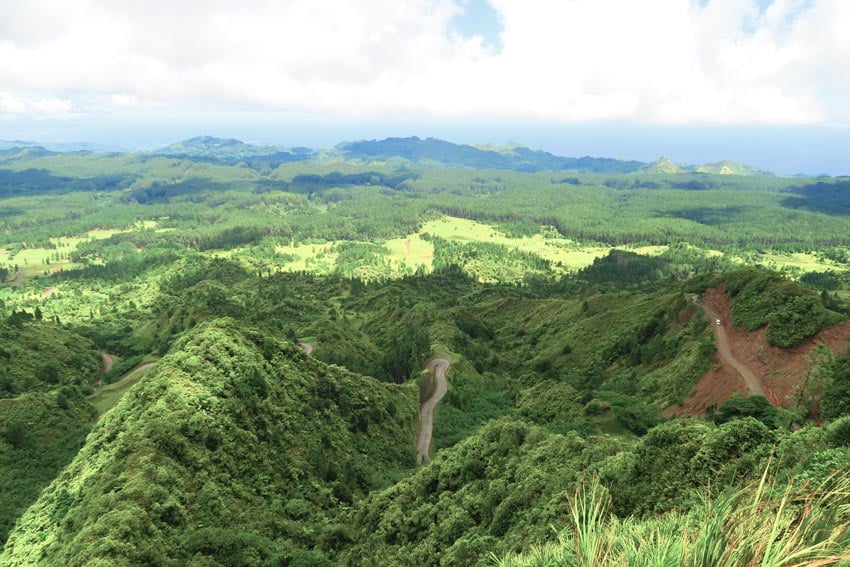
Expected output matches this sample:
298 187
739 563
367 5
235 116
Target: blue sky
758 81
479 18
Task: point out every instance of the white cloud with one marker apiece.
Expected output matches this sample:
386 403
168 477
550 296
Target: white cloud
12 107
659 61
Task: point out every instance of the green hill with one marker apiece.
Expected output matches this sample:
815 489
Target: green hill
565 292
727 167
662 166
512 487
18 154
229 151
235 449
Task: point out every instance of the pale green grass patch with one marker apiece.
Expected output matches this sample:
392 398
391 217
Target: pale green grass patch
411 251
106 398
34 261
649 250
802 261
565 254
104 233
316 258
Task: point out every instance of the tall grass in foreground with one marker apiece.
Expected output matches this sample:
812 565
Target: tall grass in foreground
761 524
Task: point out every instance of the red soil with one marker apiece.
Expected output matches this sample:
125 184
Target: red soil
779 369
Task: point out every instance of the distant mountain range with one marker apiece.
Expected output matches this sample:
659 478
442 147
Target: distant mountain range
432 151
61 147
404 151
18 153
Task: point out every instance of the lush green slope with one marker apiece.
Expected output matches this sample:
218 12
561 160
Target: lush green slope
502 489
232 152
760 524
512 486
236 449
40 434
761 298
44 370
36 354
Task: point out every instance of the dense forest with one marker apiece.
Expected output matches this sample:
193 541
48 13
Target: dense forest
217 354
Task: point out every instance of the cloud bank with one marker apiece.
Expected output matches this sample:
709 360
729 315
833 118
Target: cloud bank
655 61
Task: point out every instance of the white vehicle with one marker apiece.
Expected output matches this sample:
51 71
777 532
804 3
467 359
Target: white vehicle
718 322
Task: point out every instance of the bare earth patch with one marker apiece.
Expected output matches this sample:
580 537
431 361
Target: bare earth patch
778 370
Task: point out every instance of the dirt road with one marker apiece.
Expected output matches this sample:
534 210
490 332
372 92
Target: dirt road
108 361
109 395
753 382
438 367
308 348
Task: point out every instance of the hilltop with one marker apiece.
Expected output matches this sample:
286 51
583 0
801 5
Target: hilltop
229 151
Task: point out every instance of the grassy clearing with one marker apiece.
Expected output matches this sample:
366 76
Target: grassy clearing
411 252
106 398
316 258
801 261
37 262
566 255
649 250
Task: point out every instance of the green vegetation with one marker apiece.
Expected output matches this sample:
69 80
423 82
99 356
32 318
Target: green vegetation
107 396
41 433
499 490
37 355
231 429
790 312
565 292
761 524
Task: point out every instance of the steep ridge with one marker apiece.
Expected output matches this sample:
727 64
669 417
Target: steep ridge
780 370
231 451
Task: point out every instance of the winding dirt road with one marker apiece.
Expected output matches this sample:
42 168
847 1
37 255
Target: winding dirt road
437 366
753 382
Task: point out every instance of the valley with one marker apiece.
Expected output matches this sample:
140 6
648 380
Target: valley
412 352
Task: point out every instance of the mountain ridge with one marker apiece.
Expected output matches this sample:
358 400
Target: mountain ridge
230 428
434 151
427 151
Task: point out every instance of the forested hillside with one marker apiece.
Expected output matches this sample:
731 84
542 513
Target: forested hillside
215 354
236 447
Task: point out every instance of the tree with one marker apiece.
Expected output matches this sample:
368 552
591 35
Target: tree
820 369
16 435
835 402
